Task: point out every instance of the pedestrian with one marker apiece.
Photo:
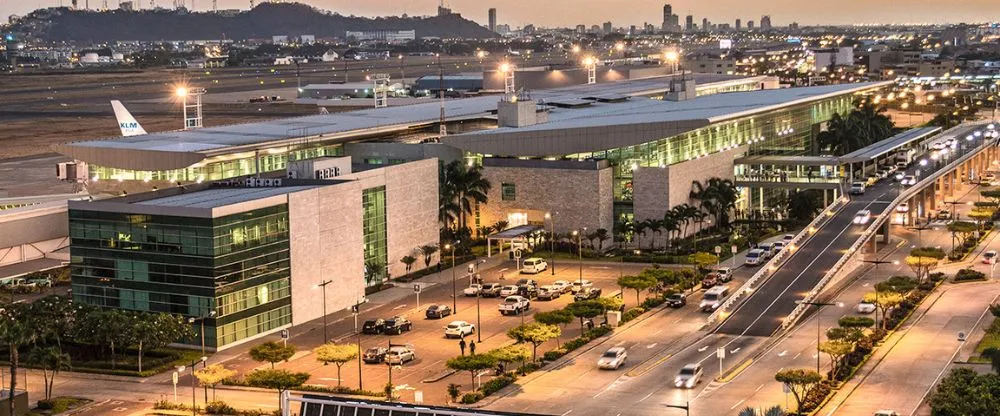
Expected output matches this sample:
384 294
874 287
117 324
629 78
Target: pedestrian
472 347
461 345
590 324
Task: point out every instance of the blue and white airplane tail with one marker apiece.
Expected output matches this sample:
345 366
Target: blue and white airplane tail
126 122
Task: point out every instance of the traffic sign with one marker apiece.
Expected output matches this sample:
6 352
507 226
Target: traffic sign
517 253
284 334
416 288
734 249
174 378
718 249
720 352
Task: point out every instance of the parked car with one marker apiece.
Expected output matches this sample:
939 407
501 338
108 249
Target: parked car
472 290
909 180
588 293
725 273
373 327
397 325
527 291
788 238
886 413
508 290
866 307
43 282
612 359
903 207
990 257
709 280
777 246
689 376
676 300
579 285
514 305
458 329
862 217
399 355
943 215
562 285
549 292
767 249
490 290
437 311
374 355
534 265
755 257
527 282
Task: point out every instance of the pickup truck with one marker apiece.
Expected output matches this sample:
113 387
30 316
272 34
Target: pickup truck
514 305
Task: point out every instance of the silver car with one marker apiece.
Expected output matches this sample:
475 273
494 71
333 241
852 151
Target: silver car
689 376
399 355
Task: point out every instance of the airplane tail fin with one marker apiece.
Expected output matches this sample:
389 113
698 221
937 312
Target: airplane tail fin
127 123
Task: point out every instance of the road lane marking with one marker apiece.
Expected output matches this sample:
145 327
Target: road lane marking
702 349
737 404
735 350
657 332
568 412
646 397
783 353
399 307
796 356
758 388
651 345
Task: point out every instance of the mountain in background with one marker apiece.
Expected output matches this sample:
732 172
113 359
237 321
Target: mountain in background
262 22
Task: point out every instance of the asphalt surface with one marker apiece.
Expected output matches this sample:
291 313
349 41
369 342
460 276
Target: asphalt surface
762 313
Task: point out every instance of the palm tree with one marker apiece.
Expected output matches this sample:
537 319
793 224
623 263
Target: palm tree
670 224
467 186
650 225
686 213
16 330
602 236
717 197
639 228
51 360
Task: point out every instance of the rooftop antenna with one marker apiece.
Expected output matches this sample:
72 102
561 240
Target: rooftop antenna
192 111
215 6
444 128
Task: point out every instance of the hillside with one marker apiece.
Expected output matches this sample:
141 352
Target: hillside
264 21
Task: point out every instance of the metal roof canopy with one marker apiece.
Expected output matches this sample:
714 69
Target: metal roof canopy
515 232
788 160
889 145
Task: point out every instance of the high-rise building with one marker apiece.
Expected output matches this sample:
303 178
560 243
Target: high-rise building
671 21
739 24
608 28
493 19
749 24
706 25
765 22
689 23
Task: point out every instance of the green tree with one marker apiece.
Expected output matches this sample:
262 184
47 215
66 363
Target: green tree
993 354
703 260
924 259
963 230
51 360
453 391
473 364
804 205
963 393
601 235
156 330
212 375
428 253
638 283
992 194
860 322
799 382
338 354
717 197
272 352
510 354
560 317
276 379
408 262
898 284
836 350
534 333
466 186
850 335
587 309
16 330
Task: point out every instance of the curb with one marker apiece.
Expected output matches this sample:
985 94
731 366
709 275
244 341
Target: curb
439 377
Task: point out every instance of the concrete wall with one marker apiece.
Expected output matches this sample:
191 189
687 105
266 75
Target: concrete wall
403 151
657 189
579 192
328 166
326 233
33 232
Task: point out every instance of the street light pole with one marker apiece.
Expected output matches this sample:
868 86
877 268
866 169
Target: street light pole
357 311
819 305
918 230
323 285
552 240
201 320
454 278
876 263
686 406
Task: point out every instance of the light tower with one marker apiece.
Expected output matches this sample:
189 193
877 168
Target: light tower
192 112
443 128
591 64
381 89
507 69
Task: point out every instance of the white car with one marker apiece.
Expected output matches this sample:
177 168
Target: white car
534 265
459 329
689 376
909 180
866 307
787 239
903 207
990 257
612 359
508 290
399 355
579 285
899 176
755 257
857 188
767 248
472 290
862 217
777 247
562 285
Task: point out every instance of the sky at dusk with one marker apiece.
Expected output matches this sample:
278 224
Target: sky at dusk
627 12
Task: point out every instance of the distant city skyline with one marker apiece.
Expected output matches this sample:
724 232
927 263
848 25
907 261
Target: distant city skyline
569 13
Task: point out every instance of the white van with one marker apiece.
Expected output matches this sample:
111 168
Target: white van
534 265
713 298
755 257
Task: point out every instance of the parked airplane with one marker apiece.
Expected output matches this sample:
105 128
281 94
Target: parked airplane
126 122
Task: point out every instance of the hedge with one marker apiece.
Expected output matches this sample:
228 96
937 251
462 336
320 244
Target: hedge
497 383
312 388
966 275
633 313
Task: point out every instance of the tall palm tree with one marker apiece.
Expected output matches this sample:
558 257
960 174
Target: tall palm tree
467 186
717 197
639 228
602 236
670 224
16 330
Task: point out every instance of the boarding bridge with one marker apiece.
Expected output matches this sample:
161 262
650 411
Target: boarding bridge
830 247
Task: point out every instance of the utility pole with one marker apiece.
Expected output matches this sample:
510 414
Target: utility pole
444 128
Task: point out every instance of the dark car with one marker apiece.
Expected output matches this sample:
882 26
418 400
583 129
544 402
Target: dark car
437 311
709 281
588 293
676 300
523 282
527 291
490 290
373 327
374 355
397 325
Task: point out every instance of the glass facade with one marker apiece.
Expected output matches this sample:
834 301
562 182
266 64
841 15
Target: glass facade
236 266
375 235
787 131
222 167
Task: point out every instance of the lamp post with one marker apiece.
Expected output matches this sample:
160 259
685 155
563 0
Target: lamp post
918 230
579 251
323 286
357 310
877 263
686 406
819 305
202 319
552 240
454 279
194 397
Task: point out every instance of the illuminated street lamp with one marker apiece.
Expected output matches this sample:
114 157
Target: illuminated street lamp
819 305
192 120
591 64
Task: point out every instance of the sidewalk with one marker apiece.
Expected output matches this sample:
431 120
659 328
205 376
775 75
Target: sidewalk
890 380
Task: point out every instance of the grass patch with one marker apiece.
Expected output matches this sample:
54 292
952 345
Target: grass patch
57 405
990 340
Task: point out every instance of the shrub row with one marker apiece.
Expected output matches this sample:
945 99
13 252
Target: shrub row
238 381
967 275
214 408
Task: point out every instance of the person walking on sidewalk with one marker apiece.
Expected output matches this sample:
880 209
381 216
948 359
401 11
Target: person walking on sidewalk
472 347
461 345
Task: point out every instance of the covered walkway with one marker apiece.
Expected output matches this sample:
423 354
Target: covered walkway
519 236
